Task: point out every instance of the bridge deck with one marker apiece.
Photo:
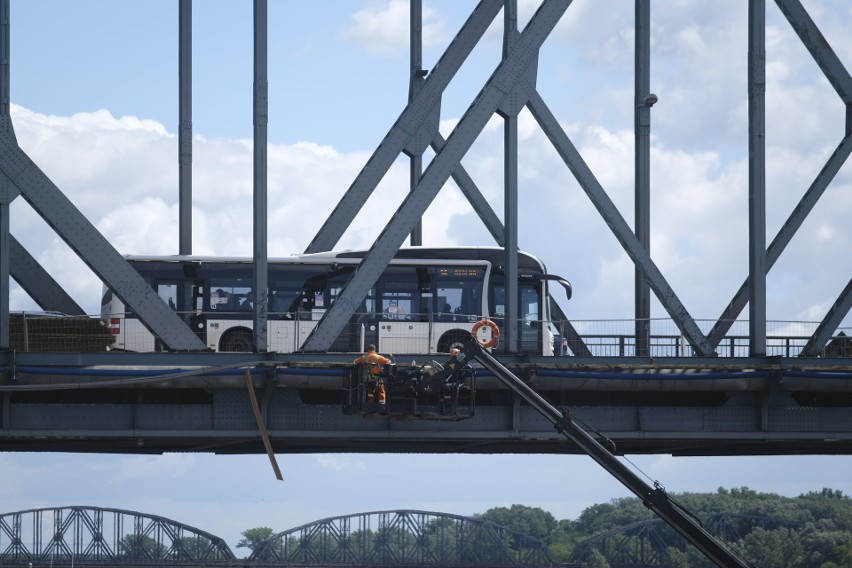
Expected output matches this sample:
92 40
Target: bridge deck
135 403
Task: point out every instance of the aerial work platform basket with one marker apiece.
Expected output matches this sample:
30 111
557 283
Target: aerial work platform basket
412 391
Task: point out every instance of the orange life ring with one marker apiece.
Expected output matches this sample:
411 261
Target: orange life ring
495 332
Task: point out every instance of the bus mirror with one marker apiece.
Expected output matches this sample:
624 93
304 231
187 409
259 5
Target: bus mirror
563 282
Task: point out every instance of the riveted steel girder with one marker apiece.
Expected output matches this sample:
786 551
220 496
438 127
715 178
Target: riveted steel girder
36 281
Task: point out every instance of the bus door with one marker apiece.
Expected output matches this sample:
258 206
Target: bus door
309 313
458 304
173 293
529 310
191 306
531 324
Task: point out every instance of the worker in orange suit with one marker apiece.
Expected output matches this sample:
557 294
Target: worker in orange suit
372 364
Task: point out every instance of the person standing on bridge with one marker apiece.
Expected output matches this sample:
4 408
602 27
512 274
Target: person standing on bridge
371 370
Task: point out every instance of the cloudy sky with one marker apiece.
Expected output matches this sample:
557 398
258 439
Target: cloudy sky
95 104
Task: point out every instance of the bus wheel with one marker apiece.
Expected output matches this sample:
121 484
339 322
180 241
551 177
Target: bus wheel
452 336
239 339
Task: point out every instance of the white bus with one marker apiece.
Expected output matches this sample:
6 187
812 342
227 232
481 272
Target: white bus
425 300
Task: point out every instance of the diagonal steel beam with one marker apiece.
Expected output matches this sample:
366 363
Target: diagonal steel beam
610 214
498 86
407 125
830 323
38 283
818 47
85 240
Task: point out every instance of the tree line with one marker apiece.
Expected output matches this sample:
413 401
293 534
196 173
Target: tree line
813 530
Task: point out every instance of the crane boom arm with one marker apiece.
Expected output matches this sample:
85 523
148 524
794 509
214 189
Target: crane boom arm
655 498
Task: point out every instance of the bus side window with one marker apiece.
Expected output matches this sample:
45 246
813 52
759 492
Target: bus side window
279 302
219 299
168 292
394 310
446 313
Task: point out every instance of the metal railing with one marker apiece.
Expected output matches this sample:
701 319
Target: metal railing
677 346
427 334
615 338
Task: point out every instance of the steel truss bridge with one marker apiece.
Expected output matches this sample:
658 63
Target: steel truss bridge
91 536
94 536
191 400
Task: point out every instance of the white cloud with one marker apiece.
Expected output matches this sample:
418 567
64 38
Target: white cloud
132 468
382 28
340 463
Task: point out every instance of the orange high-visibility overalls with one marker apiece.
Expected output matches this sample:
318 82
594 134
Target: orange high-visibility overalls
372 363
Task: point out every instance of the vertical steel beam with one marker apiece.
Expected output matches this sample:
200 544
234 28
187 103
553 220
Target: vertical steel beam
415 83
185 126
757 176
497 88
510 199
8 192
5 236
510 192
5 43
261 120
642 133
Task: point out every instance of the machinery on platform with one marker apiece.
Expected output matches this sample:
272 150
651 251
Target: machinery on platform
424 391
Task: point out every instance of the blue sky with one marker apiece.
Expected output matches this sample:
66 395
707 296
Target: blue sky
95 104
